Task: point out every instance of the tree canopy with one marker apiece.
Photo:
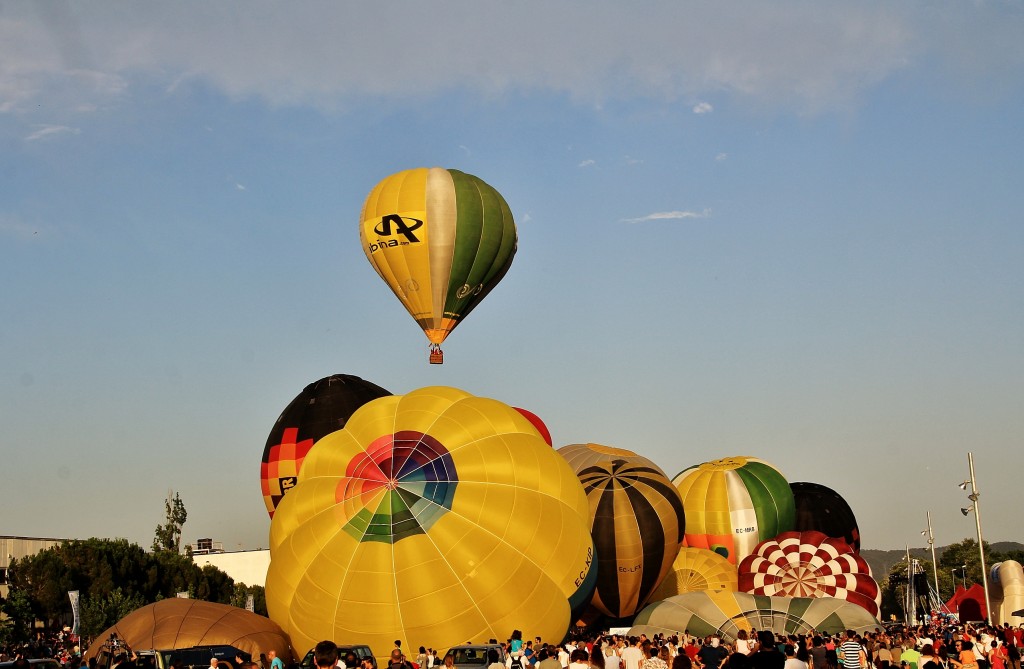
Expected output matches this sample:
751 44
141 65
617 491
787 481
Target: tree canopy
168 535
959 562
113 576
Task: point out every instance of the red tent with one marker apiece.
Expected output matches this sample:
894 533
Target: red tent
968 603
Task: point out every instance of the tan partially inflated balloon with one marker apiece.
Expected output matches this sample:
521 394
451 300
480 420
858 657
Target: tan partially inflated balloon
183 623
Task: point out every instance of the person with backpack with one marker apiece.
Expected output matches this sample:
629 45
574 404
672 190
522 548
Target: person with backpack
398 660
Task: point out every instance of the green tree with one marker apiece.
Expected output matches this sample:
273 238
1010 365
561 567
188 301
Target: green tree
100 612
893 587
99 568
242 593
965 552
168 535
15 627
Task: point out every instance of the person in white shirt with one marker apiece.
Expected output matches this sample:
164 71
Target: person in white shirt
611 658
791 661
632 655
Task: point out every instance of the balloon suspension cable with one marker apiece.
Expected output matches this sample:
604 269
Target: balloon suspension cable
436 355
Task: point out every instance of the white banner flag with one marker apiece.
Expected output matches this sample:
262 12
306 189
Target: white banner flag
73 594
250 603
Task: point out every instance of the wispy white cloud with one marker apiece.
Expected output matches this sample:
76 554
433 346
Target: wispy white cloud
777 53
49 131
239 186
633 161
722 157
589 162
669 216
703 108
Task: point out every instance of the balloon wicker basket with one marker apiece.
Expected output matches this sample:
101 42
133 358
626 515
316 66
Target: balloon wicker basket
436 355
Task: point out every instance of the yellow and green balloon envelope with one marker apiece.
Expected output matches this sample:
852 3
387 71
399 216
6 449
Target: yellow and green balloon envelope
733 504
434 517
441 239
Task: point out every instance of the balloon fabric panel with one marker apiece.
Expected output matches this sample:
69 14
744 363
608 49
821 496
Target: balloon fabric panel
706 500
405 267
470 233
770 496
482 260
442 216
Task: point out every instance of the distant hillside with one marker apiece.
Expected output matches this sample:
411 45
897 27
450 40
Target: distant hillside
882 561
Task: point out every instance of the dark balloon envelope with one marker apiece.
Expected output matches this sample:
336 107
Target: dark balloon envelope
637 521
821 509
322 407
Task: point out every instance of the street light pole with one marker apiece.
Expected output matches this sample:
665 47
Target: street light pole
976 507
935 564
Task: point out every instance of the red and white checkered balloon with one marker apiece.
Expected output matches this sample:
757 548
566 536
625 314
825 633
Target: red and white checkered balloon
809 564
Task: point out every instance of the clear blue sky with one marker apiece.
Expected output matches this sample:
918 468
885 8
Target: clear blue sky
790 230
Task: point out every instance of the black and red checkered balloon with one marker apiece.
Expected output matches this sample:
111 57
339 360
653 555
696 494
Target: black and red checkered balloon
321 408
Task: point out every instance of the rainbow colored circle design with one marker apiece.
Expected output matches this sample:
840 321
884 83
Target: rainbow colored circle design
403 481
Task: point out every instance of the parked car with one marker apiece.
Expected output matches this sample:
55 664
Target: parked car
474 655
362 651
35 663
197 657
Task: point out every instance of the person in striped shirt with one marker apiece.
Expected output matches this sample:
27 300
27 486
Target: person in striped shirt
851 653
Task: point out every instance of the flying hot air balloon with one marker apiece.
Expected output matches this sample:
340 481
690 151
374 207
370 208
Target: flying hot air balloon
435 517
321 408
441 239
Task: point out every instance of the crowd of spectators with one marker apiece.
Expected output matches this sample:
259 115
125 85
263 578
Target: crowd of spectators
61 645
940 644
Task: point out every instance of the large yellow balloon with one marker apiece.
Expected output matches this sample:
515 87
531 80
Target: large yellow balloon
441 239
435 517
